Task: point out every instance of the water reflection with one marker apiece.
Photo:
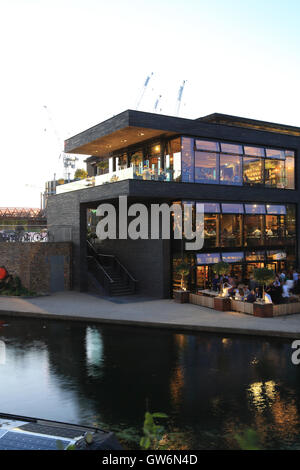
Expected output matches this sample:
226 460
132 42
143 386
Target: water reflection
94 351
212 387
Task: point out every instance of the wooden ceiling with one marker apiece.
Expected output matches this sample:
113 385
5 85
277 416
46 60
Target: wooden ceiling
119 139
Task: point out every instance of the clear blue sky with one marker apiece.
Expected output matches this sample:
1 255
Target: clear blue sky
88 59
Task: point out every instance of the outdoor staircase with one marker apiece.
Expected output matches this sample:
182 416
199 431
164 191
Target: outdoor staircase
109 273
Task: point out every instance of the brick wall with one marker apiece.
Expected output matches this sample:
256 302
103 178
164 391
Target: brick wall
32 263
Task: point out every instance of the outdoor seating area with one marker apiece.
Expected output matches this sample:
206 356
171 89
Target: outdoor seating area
265 295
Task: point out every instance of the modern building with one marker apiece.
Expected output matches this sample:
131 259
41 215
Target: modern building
244 171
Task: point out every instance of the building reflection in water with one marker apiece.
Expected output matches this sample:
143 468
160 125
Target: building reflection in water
210 386
94 351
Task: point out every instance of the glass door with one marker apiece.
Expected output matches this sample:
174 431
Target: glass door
203 277
250 268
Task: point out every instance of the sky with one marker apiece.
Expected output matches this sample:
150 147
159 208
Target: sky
87 60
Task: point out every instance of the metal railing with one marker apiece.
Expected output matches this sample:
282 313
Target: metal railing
134 172
29 234
98 263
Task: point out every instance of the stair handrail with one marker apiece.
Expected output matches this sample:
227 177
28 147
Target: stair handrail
98 264
102 269
119 262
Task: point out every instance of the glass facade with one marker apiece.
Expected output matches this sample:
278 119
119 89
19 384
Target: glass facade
206 167
210 162
192 160
246 236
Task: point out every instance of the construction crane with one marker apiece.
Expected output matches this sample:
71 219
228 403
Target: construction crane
157 103
179 97
68 160
143 90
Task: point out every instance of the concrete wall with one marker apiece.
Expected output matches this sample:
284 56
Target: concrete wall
32 263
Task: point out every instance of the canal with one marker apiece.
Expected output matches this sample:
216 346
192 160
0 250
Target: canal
212 387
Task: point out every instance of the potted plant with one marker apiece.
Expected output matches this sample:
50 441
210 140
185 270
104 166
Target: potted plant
136 159
222 301
102 165
182 295
80 174
263 276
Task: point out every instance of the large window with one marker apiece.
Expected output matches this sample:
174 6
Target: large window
275 229
290 224
254 230
211 230
173 160
235 164
247 224
231 230
275 173
230 169
253 171
187 160
206 167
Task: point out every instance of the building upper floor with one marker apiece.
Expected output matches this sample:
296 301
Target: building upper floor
215 150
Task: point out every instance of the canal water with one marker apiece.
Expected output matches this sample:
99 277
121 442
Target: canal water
212 387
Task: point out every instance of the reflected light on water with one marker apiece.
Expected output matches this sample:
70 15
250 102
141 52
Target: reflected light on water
94 350
181 341
262 394
176 385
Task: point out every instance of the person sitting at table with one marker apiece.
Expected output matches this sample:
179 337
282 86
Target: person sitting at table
226 288
258 292
216 283
269 232
286 291
295 276
268 298
256 233
276 291
251 297
239 293
246 292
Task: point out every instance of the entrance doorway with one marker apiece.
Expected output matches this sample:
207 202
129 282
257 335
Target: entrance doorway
204 275
250 268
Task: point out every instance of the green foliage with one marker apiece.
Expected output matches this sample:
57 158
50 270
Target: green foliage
60 446
136 159
183 269
153 433
248 440
91 236
12 285
80 173
264 275
102 164
221 268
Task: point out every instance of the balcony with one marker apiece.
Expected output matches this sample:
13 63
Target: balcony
134 172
